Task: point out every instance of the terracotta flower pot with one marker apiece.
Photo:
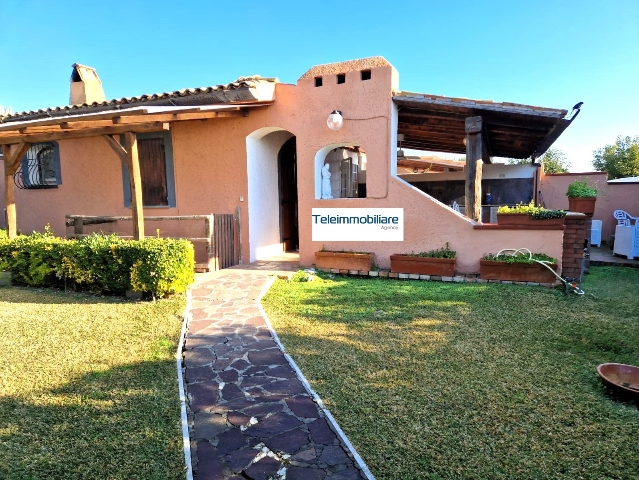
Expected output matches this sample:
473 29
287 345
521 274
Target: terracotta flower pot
582 204
423 265
523 219
516 272
344 260
619 375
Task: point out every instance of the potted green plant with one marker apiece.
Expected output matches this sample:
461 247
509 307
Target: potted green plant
433 262
360 261
581 197
518 266
529 215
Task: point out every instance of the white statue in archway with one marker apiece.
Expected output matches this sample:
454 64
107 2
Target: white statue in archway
326 182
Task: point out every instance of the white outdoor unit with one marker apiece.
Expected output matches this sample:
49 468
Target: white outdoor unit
595 233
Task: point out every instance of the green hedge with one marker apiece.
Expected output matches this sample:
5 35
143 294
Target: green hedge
159 266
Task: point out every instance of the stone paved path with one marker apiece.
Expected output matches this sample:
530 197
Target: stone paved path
251 416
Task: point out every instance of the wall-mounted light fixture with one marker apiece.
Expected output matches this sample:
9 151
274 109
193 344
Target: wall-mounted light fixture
335 120
400 139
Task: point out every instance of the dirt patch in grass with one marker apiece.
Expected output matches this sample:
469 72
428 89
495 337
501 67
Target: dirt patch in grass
88 387
441 380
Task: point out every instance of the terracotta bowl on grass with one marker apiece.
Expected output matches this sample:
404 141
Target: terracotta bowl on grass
621 376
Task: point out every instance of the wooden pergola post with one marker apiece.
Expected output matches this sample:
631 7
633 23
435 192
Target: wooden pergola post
133 164
11 164
474 159
129 157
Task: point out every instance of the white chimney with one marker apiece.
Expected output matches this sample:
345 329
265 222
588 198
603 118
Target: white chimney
86 86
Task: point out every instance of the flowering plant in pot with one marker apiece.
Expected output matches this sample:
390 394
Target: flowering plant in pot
581 197
530 215
433 262
519 265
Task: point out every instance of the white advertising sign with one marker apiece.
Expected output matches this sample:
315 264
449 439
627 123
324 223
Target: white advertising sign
358 224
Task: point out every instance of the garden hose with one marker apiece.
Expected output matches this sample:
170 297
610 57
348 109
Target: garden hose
570 286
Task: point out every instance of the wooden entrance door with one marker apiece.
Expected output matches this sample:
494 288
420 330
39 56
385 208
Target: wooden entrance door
287 166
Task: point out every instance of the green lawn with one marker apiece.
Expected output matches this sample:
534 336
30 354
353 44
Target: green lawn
472 381
88 387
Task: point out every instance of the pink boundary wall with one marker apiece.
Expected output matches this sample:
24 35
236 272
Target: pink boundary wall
612 196
210 165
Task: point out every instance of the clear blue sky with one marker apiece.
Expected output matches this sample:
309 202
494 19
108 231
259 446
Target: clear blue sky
548 53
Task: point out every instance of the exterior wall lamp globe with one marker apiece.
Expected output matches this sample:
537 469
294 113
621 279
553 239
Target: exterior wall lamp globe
335 120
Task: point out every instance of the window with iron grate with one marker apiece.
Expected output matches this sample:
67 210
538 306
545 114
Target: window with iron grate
40 167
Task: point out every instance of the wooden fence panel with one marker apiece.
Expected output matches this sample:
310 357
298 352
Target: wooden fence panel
223 241
222 235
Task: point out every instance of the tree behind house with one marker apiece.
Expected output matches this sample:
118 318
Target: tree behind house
554 161
620 160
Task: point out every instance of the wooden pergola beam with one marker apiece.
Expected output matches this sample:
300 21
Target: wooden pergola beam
531 122
12 157
119 150
128 155
12 137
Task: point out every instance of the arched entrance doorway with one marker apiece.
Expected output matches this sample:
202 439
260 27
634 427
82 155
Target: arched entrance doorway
287 172
272 192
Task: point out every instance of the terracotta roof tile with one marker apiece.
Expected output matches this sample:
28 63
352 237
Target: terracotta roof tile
242 82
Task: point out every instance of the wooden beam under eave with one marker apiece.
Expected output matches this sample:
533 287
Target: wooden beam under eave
474 154
79 116
434 147
11 163
12 137
63 126
67 128
133 166
177 117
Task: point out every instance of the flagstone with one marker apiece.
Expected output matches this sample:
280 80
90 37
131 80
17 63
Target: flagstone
261 400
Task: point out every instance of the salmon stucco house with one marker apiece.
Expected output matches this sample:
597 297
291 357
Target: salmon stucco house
261 155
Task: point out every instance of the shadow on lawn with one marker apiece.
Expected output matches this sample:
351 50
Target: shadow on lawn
489 325
15 294
121 423
377 298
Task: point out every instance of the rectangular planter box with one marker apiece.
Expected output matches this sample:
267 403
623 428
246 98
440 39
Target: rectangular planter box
423 265
522 219
344 260
516 272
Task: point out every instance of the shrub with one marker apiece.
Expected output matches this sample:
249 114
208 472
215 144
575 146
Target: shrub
102 263
579 189
519 257
163 266
99 262
444 252
537 213
299 276
4 249
33 259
